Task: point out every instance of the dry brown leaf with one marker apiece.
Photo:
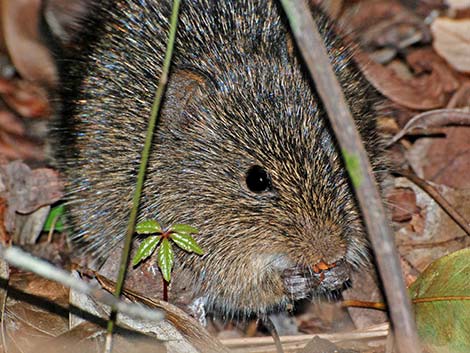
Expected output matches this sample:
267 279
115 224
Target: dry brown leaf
432 119
402 204
20 138
384 24
14 147
90 338
452 41
31 189
36 320
433 234
423 92
20 23
458 4
10 123
34 312
443 160
461 98
24 98
26 190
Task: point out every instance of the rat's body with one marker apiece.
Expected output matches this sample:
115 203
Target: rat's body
243 151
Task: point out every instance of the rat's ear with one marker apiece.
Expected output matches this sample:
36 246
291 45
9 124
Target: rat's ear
186 89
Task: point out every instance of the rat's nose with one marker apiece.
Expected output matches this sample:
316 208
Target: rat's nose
323 239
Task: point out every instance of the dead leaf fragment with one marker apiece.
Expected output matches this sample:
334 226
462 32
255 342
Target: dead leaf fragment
432 233
452 41
26 99
403 204
458 4
422 92
443 160
27 190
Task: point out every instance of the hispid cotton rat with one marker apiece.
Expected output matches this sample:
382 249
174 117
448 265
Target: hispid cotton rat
243 150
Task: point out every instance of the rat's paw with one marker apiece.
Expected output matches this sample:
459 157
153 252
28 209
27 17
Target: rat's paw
301 281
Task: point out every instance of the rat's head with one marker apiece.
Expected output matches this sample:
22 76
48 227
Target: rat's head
251 162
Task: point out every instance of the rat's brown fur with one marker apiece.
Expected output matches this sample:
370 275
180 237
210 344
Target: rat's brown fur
237 97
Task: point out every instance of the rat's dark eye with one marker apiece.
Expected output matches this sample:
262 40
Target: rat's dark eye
258 179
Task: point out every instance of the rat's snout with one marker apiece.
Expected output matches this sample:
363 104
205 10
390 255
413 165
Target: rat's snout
323 240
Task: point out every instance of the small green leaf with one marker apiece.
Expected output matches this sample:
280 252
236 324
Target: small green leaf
149 226
186 242
165 259
56 216
183 229
146 248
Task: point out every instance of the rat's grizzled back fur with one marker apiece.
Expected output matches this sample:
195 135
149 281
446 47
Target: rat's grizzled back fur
243 150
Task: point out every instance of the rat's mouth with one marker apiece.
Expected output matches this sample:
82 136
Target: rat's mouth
301 281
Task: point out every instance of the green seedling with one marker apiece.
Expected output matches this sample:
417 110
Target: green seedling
180 234
55 219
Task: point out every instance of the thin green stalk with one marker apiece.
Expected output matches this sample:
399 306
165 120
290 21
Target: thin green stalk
145 157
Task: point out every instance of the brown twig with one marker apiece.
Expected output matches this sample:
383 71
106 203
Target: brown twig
316 58
363 304
436 195
432 119
265 344
431 131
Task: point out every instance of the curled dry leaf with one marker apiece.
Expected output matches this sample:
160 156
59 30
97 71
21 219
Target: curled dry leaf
452 41
384 24
26 190
38 322
423 92
434 118
20 23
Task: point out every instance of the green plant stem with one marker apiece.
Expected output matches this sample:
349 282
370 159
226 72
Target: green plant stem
145 157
